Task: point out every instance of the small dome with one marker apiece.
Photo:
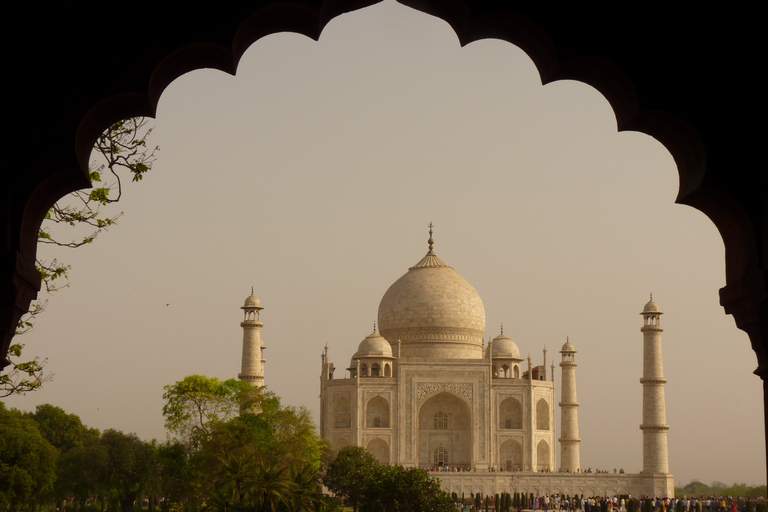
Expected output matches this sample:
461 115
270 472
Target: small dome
373 346
252 302
651 307
505 348
567 347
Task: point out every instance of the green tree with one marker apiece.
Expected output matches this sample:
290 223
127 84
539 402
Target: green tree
80 458
27 462
129 465
175 475
271 488
64 431
196 404
396 489
243 448
81 473
349 473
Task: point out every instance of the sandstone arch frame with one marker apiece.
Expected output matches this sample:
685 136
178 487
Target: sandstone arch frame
683 78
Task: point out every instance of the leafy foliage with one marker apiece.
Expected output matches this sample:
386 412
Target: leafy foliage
123 149
129 465
396 489
370 487
27 461
242 448
347 476
195 405
23 376
64 431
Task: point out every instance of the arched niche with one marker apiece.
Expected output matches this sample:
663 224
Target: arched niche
542 415
342 412
379 448
543 462
377 412
511 455
510 414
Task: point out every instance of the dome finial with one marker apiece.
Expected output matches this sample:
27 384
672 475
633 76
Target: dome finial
430 241
251 290
502 327
374 326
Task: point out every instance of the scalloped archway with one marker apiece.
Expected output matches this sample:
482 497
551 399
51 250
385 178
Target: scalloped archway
659 75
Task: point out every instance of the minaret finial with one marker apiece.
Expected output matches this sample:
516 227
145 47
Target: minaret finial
651 295
430 241
374 326
251 290
502 328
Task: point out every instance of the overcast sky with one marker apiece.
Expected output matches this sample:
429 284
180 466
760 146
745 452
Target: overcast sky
312 176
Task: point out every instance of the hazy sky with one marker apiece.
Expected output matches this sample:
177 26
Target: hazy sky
312 176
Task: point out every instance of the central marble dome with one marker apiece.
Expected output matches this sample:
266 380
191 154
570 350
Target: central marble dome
434 312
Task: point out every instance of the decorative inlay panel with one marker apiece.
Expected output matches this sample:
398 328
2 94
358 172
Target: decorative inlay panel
425 390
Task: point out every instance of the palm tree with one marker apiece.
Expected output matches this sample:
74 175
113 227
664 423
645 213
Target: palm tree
270 487
237 473
305 489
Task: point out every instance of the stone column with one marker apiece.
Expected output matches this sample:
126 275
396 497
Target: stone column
654 427
252 368
570 459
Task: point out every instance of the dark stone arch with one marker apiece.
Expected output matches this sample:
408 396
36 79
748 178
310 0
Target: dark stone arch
683 78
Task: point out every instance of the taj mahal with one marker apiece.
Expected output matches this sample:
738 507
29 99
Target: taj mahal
424 391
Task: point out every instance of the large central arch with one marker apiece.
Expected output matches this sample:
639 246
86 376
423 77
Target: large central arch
445 431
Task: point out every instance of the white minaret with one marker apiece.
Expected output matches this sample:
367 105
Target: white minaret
569 419
654 427
253 350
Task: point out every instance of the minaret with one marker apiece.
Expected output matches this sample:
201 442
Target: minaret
569 419
654 427
253 350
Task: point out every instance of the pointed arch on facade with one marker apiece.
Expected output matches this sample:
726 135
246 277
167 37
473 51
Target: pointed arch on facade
511 455
542 414
379 448
543 457
377 412
510 413
342 412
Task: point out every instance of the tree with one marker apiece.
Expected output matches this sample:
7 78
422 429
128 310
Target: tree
64 431
196 403
175 474
81 473
306 492
396 489
129 466
80 457
122 148
244 450
350 473
27 462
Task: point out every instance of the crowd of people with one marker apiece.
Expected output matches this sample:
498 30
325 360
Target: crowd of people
469 469
560 503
